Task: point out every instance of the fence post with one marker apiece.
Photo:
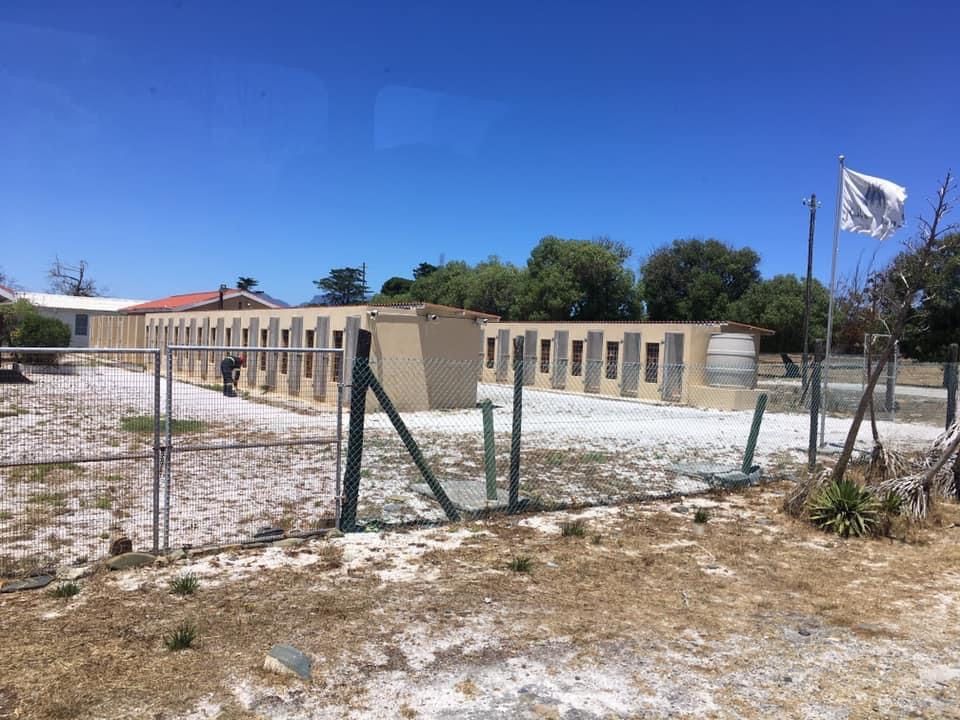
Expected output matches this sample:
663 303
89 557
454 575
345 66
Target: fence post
754 433
360 380
950 372
489 450
889 400
156 451
168 451
514 487
815 390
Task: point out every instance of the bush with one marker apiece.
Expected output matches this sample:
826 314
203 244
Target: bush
844 508
35 330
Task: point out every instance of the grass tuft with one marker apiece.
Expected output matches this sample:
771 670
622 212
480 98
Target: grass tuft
65 589
520 564
573 528
701 516
181 637
144 424
186 584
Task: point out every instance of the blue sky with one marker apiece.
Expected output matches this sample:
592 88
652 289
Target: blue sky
175 145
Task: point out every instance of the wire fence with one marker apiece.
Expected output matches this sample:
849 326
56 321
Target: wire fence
98 445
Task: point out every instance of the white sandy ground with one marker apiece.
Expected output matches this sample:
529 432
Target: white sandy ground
448 677
575 448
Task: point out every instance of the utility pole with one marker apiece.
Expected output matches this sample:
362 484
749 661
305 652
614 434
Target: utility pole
812 203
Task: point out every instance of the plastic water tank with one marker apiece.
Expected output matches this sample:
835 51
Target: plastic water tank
732 360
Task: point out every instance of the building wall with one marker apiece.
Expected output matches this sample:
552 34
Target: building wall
412 351
70 318
648 380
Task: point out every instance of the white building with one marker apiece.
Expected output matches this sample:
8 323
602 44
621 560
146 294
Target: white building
75 311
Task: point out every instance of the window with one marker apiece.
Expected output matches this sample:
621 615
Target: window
338 358
229 337
245 335
213 336
491 351
544 356
81 324
176 336
188 335
613 359
576 358
653 363
308 359
284 342
263 343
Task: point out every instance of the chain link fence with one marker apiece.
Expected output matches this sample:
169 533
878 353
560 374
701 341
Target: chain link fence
98 444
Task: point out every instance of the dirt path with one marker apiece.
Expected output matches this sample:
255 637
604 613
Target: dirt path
759 616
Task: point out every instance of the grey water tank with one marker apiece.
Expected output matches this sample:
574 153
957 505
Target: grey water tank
732 360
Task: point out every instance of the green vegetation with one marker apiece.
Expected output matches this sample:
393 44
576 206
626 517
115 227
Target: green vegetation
181 637
186 584
573 528
104 502
144 424
40 473
520 564
845 508
701 516
66 589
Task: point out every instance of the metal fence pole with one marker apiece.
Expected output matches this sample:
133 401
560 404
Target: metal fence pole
950 378
338 489
489 450
815 389
358 401
747 465
514 487
156 451
168 451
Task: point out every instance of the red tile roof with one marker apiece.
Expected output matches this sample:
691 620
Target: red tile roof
176 303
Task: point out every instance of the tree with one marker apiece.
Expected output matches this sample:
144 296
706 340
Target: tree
423 269
68 279
449 284
933 324
7 280
396 286
496 287
896 292
343 286
580 280
12 317
696 279
778 304
246 283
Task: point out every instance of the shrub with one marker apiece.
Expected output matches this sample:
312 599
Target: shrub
66 589
573 528
520 564
181 637
844 508
35 330
185 584
701 516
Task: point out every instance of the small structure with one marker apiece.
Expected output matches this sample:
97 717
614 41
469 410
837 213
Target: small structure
77 312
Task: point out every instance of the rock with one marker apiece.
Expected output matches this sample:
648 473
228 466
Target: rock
70 572
392 508
32 583
803 631
268 533
121 545
130 560
290 542
177 555
162 561
287 660
680 509
334 533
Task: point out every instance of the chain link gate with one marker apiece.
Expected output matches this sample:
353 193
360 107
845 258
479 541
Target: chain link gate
249 460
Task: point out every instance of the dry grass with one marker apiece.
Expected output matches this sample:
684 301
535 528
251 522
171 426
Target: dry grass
753 570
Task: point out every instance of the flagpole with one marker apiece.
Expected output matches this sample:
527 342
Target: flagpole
833 290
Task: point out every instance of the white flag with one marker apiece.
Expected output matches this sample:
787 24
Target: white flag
871 205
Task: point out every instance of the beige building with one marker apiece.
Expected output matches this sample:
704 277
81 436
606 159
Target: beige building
76 312
705 364
426 356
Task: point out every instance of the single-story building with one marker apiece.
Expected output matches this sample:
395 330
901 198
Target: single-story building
220 299
705 364
77 312
427 356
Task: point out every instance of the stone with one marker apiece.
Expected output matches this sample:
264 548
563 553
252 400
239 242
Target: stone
335 533
287 660
680 509
290 542
121 545
268 533
31 583
177 555
130 560
71 572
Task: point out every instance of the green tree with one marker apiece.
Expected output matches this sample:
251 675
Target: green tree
447 285
580 280
778 304
12 317
496 287
246 283
933 322
423 269
396 286
343 286
696 279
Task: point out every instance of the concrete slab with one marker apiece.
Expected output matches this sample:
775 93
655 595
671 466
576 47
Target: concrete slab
468 495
